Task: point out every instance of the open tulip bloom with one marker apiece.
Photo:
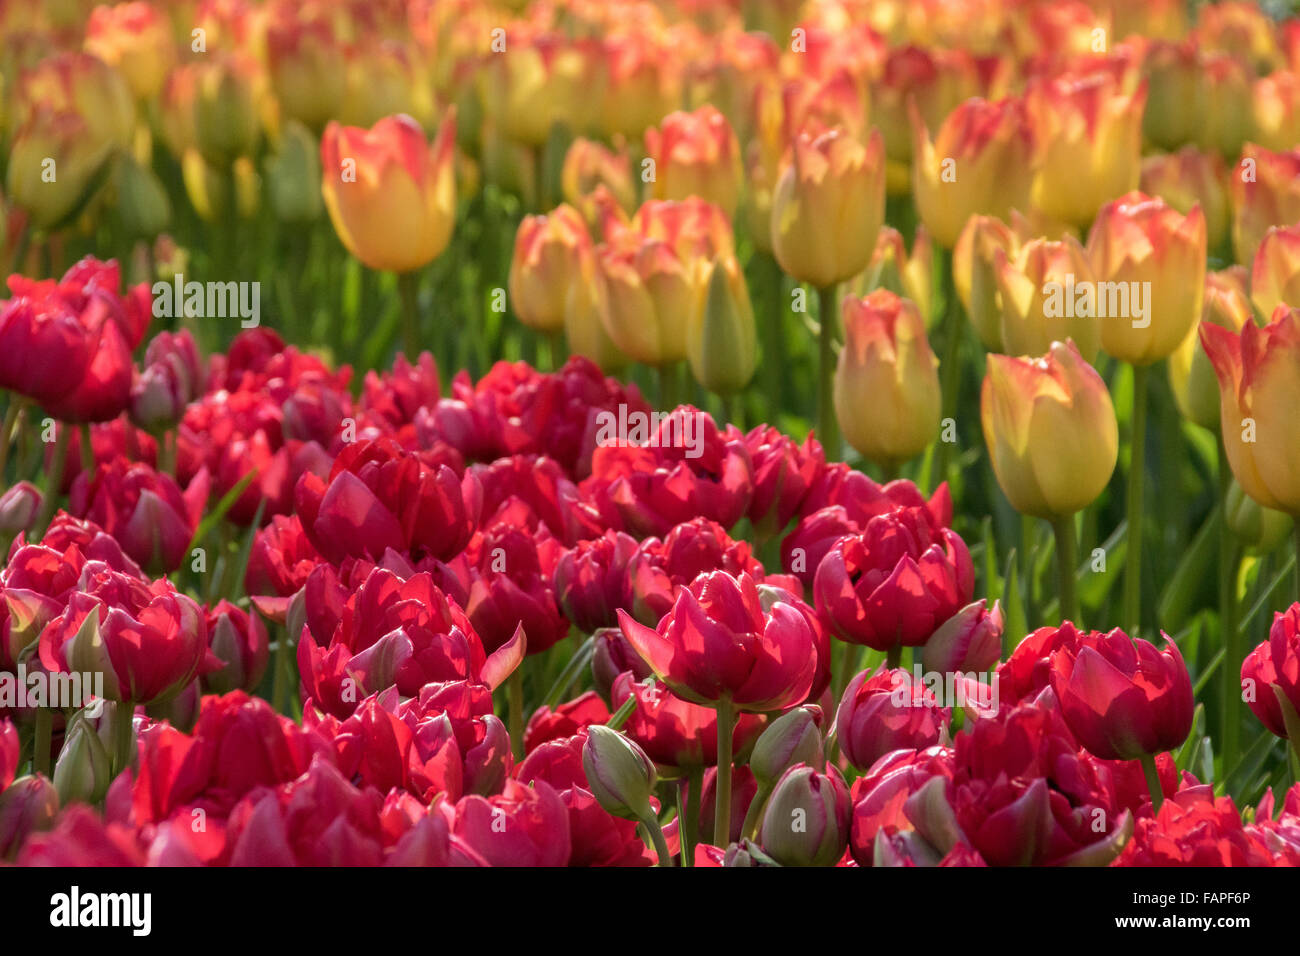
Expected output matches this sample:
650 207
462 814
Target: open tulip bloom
614 433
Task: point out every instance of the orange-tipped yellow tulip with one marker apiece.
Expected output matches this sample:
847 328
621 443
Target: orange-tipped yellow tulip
1265 192
227 89
136 39
973 274
1090 136
64 140
1050 429
980 163
887 395
1275 101
390 194
1259 391
589 165
829 206
1187 178
696 154
542 78
1275 273
307 67
583 329
544 265
1147 253
1191 377
892 267
1048 294
83 84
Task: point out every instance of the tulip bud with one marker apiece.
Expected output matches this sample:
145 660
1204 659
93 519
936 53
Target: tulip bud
142 203
545 265
1090 136
81 774
1050 429
721 342
978 164
969 641
892 268
1158 256
619 773
55 164
307 68
696 154
746 854
1191 377
793 738
1173 80
1190 178
589 165
292 174
28 805
1275 273
1048 295
1275 102
1260 529
612 656
807 819
225 107
19 507
136 39
239 640
974 277
1224 105
886 382
813 238
1265 189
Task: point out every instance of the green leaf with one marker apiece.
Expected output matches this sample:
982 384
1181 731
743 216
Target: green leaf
213 518
1013 608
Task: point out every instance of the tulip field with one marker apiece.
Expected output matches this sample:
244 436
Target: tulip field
678 433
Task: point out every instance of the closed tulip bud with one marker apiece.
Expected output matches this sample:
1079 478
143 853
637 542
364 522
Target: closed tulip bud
390 194
306 66
969 641
1275 115
1265 192
292 174
1157 256
696 154
828 207
136 39
979 163
1190 178
1224 105
744 855
54 166
1050 429
239 640
792 739
1259 373
81 774
19 507
973 274
619 773
1172 74
1191 376
1090 135
142 203
806 822
1048 294
1262 530
28 805
721 341
904 274
545 266
887 382
1275 273
226 91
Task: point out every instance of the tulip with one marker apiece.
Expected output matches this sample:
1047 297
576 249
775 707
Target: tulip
239 640
1053 441
82 84
891 584
135 38
565 720
885 711
545 79
1225 104
1191 178
1275 110
584 327
27 807
522 826
1270 678
1265 191
19 507
886 383
1090 136
619 773
1124 700
642 81
225 92
792 739
721 343
696 154
1261 530
589 165
54 165
1275 273
1256 372
545 266
807 819
81 774
906 275
969 641
1191 376
1048 294
306 65
979 163
292 174
973 274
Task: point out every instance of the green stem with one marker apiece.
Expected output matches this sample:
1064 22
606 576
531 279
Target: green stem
1136 475
41 745
280 680
950 366
754 816
1067 562
16 403
1153 781
773 330
828 427
722 808
657 835
688 815
672 386
1230 712
620 716
515 689
894 656
88 449
52 490
408 286
123 735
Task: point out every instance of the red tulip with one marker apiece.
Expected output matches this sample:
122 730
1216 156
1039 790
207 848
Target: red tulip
1195 828
565 720
1123 699
523 826
885 711
239 640
591 580
10 751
